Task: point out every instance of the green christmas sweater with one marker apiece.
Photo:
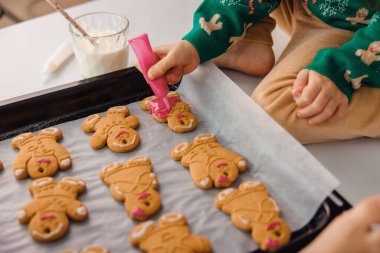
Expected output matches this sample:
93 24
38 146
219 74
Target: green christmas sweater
221 24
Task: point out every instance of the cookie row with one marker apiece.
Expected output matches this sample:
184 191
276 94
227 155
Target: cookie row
41 155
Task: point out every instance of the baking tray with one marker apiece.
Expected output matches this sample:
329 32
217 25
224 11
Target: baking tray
122 87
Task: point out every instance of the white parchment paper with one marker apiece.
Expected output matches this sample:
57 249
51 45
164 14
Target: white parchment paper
296 180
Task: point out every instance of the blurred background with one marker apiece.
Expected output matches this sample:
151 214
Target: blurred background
15 11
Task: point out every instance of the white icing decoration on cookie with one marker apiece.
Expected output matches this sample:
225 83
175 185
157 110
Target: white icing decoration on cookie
138 234
51 130
82 211
118 191
91 119
51 234
42 182
152 175
138 159
181 147
204 137
242 220
222 195
18 172
190 125
20 214
118 108
125 145
65 162
204 181
73 181
172 217
276 208
252 184
21 137
242 163
110 167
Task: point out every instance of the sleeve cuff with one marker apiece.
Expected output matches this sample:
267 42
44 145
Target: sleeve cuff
205 45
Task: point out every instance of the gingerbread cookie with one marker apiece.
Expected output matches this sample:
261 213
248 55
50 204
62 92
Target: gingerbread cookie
89 249
209 163
171 235
117 130
47 213
135 184
252 209
41 155
174 111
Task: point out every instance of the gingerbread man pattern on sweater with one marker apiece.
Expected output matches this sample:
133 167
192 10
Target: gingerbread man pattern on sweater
236 16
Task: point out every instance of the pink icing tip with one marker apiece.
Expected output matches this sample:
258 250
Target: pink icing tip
159 107
143 195
222 164
120 133
44 160
138 212
273 225
48 216
223 179
272 244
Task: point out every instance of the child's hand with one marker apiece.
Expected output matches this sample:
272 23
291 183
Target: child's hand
318 98
351 232
175 61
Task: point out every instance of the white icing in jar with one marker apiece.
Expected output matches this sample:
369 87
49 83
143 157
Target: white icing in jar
106 49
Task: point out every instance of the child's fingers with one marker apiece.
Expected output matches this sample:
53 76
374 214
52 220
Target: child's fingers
328 111
316 107
161 67
366 212
300 82
340 112
309 93
161 51
174 75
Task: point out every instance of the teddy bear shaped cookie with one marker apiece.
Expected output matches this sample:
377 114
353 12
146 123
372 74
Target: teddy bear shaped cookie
178 114
40 155
171 235
116 129
209 163
252 209
135 184
47 214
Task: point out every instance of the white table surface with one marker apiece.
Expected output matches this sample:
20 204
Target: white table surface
24 47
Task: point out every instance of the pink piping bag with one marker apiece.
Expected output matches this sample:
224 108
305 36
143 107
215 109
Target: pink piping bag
147 59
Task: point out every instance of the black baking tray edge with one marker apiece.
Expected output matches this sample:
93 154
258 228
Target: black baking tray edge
122 87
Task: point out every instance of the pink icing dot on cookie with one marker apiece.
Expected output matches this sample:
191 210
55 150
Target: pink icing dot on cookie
138 212
159 108
179 116
43 160
143 195
272 244
222 164
120 133
48 216
223 179
273 225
